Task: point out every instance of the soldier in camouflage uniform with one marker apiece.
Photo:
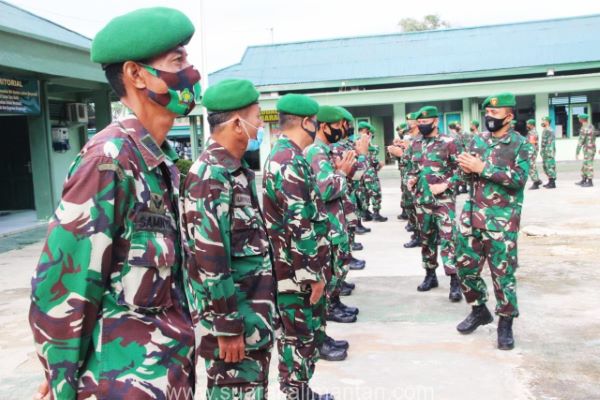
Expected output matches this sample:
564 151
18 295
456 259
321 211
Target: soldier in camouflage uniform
358 185
432 179
397 147
587 143
108 308
473 131
548 152
498 161
456 133
533 139
330 174
358 144
403 152
298 229
229 265
372 184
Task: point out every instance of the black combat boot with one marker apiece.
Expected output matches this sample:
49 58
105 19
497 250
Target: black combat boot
378 217
352 286
338 315
345 291
403 215
409 227
415 241
505 334
429 282
357 246
588 183
480 315
329 352
455 294
368 216
361 229
551 184
337 303
340 344
535 185
581 182
356 265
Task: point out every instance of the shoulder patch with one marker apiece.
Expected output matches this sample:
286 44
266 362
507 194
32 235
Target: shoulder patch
111 167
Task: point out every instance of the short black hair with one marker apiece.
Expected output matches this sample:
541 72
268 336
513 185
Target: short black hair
114 76
287 121
217 118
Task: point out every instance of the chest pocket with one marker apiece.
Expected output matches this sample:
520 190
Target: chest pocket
145 284
248 237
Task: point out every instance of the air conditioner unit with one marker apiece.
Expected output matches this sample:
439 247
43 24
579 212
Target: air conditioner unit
77 113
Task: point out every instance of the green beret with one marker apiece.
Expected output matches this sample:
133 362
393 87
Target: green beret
329 114
531 121
475 122
427 112
230 95
546 118
140 35
371 128
402 126
297 104
500 100
412 116
347 115
363 125
583 116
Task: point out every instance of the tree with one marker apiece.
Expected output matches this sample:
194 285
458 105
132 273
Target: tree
429 23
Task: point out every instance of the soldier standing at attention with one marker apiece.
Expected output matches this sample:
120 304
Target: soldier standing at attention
395 150
372 184
330 174
432 179
498 161
229 263
533 139
407 196
587 143
298 229
108 309
548 152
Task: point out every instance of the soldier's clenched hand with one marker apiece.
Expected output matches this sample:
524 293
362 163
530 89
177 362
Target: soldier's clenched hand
317 289
470 164
395 150
231 348
411 183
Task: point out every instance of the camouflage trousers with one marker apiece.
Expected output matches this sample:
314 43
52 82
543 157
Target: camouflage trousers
340 258
437 223
245 380
500 251
587 169
361 199
533 171
373 191
303 330
549 165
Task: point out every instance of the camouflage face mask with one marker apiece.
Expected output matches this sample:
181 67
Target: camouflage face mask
183 89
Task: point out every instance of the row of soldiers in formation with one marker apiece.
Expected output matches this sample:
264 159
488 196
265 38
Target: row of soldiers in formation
143 278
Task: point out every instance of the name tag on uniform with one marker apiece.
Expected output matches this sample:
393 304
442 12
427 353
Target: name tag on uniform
153 222
242 200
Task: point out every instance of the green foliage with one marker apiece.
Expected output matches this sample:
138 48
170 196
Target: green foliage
429 22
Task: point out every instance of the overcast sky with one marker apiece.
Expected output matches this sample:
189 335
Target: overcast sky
231 25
